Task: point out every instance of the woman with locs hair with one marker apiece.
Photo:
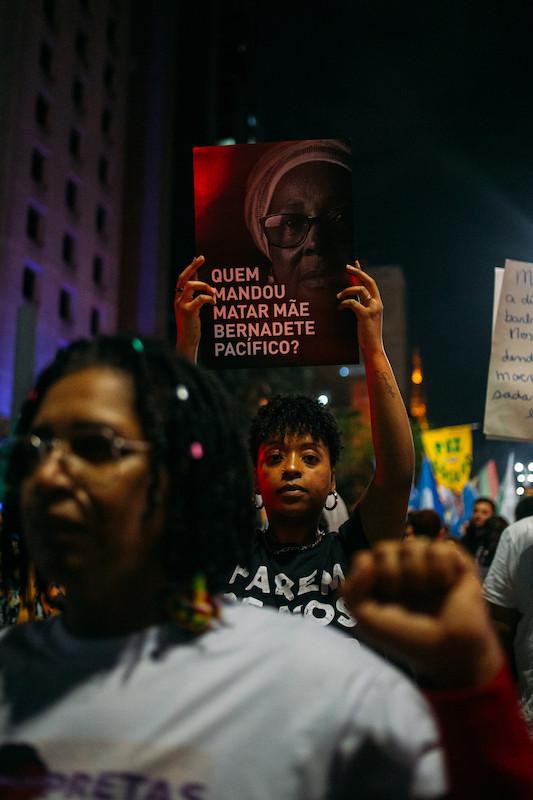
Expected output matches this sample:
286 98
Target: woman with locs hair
295 444
147 685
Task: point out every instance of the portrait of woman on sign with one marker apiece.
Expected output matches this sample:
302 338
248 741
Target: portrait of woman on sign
275 224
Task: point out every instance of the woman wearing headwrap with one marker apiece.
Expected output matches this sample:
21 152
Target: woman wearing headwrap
275 221
297 209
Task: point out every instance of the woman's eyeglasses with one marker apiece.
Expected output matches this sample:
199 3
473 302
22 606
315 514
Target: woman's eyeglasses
291 230
24 453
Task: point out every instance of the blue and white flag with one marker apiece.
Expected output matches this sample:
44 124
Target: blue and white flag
428 496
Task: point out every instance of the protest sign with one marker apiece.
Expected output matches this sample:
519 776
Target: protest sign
509 402
450 452
274 222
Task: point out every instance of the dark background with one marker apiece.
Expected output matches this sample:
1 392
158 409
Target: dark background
437 99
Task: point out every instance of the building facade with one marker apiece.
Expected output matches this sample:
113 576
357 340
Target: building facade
63 81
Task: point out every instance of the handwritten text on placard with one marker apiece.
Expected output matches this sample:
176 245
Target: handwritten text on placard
509 404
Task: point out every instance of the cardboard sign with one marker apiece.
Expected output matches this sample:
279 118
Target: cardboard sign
509 403
274 222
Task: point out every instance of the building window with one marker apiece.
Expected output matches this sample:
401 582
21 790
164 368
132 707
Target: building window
95 322
71 195
78 94
37 165
111 34
42 112
109 76
34 225
45 58
105 122
82 41
29 284
49 11
98 270
101 219
103 170
65 306
74 143
68 250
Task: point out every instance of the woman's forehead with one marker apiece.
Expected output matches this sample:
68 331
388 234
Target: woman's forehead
94 394
294 440
331 180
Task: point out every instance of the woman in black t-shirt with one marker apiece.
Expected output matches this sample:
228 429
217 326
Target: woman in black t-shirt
295 445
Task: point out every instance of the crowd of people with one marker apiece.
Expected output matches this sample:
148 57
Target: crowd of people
153 643
128 485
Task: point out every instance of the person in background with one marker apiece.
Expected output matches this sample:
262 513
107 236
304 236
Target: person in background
488 543
295 444
484 508
425 522
147 683
422 601
507 588
524 508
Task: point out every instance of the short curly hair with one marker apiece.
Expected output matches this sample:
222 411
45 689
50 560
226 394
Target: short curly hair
297 414
210 516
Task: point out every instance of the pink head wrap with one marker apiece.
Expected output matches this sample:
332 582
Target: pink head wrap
274 164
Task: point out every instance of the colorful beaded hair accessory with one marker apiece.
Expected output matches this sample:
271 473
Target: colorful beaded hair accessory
195 611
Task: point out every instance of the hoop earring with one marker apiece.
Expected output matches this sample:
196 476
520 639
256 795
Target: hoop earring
335 501
258 502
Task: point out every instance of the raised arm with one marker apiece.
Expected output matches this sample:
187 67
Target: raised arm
190 295
423 602
384 505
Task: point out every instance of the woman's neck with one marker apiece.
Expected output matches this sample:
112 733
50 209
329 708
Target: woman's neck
292 531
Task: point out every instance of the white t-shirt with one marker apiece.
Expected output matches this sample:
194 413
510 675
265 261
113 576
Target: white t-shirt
264 706
509 583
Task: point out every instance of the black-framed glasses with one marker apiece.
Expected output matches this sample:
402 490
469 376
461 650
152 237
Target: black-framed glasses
24 453
291 230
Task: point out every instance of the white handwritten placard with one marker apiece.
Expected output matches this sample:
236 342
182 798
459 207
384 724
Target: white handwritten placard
509 402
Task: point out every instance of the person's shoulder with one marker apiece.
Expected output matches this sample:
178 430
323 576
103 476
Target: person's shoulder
296 641
520 532
352 532
27 635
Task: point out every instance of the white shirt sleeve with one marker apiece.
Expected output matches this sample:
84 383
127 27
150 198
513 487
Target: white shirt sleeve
499 582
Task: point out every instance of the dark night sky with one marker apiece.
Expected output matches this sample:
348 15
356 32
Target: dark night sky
437 98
